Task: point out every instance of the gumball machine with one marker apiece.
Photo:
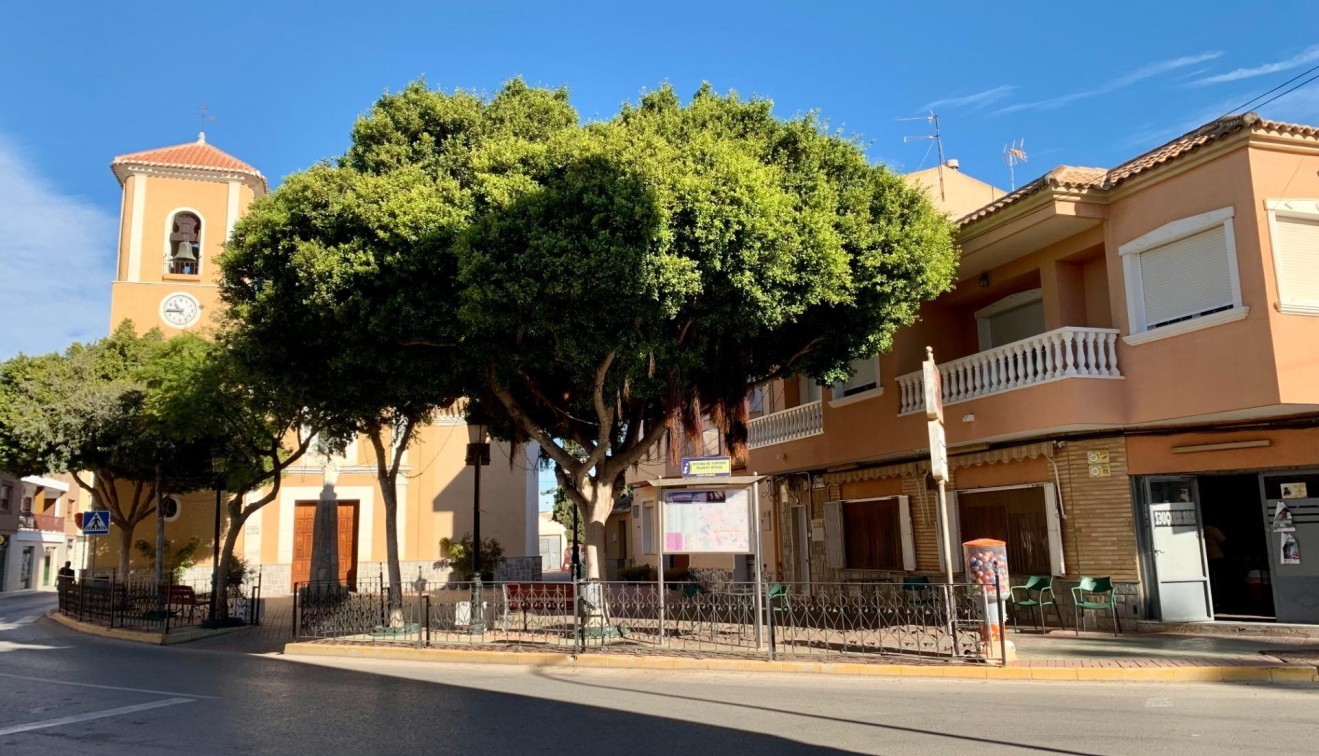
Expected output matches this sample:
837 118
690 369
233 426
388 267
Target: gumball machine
986 560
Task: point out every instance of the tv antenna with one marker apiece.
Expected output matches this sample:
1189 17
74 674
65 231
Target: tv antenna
204 113
937 141
1013 153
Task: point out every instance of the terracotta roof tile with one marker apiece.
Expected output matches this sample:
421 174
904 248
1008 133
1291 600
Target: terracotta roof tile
196 155
1101 179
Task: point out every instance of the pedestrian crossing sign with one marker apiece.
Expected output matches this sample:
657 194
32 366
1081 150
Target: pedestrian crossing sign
96 522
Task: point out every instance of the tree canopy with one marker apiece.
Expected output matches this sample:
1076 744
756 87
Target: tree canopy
589 285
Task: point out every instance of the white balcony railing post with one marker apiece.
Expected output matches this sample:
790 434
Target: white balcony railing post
1061 353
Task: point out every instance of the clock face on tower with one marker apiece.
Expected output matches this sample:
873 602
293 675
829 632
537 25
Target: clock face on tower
180 310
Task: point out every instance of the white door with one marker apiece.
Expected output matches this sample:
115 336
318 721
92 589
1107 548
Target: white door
1179 559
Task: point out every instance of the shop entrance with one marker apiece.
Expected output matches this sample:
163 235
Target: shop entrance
1236 547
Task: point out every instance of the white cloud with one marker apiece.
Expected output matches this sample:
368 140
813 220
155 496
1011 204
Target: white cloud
1310 55
1122 82
971 101
56 254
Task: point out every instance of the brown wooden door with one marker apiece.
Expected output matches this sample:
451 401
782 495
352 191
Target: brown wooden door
304 525
348 544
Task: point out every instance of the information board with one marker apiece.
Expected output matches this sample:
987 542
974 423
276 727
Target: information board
707 521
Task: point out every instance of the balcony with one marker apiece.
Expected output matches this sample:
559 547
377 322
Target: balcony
789 425
48 523
1069 352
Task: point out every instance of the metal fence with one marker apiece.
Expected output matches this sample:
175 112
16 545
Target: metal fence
143 604
794 621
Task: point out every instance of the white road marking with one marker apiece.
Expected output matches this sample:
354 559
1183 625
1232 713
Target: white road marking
105 687
93 715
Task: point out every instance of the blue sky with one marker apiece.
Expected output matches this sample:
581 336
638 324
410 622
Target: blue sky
286 79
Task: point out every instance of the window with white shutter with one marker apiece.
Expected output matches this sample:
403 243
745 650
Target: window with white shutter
1295 230
864 379
1182 273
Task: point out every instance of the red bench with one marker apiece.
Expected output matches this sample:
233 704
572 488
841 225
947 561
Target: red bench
539 598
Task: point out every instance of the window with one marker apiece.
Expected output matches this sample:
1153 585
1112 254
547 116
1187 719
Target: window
648 529
807 390
869 534
1183 276
6 491
865 377
1012 318
185 249
1294 226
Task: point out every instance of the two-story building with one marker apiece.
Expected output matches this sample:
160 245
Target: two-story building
33 520
1130 382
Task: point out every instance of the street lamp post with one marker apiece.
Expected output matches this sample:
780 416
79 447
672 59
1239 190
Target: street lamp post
478 455
218 465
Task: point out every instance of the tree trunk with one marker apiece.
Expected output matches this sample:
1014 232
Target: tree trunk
599 500
389 493
125 551
226 561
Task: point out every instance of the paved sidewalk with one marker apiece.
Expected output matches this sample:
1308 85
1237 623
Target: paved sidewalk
1136 650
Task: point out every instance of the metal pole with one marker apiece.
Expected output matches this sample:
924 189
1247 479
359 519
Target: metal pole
215 557
476 522
160 544
755 526
1002 621
659 517
945 536
576 546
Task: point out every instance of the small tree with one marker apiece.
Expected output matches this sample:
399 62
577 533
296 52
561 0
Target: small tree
87 412
460 555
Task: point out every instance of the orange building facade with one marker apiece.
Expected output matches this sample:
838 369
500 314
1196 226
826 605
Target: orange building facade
1129 385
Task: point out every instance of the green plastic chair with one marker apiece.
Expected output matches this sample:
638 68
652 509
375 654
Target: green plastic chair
1039 594
1092 587
777 601
916 592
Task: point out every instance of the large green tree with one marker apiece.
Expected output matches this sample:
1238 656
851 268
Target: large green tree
319 279
88 412
596 285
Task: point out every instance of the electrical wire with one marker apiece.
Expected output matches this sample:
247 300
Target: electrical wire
1249 103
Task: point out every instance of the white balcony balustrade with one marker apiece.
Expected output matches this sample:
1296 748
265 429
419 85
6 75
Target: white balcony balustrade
1069 352
789 425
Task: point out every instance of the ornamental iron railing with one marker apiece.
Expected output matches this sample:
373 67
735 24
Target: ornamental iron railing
792 621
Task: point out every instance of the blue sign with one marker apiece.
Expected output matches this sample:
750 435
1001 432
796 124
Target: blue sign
96 522
707 467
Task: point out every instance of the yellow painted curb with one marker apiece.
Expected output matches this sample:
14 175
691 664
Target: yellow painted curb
851 669
137 636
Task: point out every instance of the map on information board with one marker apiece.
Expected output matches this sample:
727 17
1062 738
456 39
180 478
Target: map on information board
707 521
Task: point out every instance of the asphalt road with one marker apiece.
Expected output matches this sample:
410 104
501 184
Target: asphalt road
64 693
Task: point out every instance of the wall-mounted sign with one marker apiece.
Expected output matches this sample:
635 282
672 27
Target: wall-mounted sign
1169 518
1100 470
1099 457
1294 491
707 467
